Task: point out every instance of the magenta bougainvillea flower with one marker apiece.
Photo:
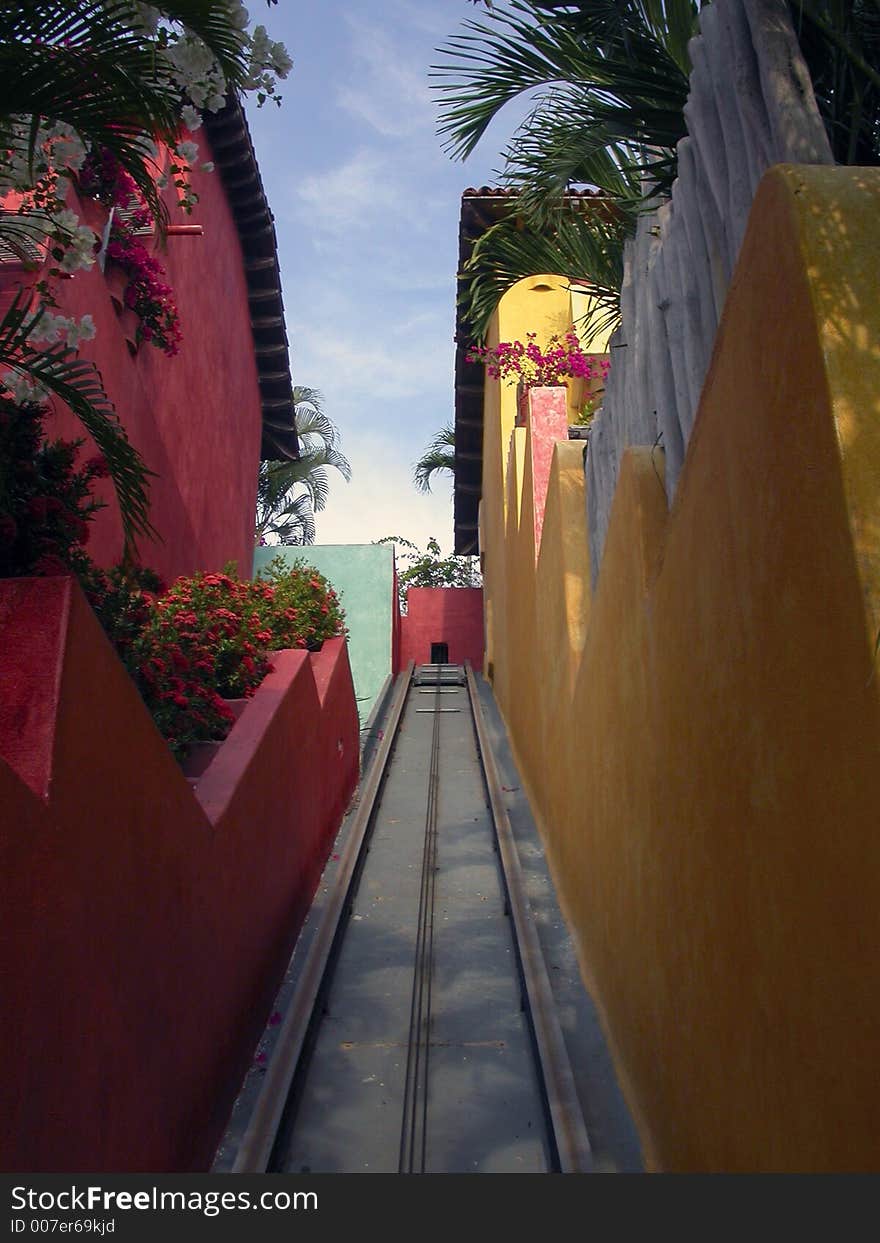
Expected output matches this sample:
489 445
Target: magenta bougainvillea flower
147 293
526 361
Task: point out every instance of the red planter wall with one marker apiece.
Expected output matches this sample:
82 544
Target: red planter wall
451 615
147 926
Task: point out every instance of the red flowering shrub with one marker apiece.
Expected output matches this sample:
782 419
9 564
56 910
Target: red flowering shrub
46 501
304 610
188 649
123 598
209 638
203 643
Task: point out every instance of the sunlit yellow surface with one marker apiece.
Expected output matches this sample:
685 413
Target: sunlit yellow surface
701 738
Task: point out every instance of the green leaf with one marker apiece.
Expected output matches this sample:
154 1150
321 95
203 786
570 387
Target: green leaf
583 246
439 456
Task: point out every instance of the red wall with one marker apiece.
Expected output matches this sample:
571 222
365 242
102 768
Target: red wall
452 615
147 926
196 418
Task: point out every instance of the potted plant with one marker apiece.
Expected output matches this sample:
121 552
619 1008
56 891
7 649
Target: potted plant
561 361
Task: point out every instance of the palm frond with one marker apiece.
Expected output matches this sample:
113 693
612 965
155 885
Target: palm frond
309 472
670 22
294 524
25 233
65 24
840 43
611 56
78 383
305 396
584 248
50 50
557 148
439 455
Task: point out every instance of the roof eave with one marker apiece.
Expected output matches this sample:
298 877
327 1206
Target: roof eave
234 158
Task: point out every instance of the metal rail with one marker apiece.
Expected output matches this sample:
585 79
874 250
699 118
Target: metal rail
566 1117
568 1136
255 1150
414 1129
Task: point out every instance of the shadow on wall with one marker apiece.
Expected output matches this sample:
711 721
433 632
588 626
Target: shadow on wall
147 926
701 737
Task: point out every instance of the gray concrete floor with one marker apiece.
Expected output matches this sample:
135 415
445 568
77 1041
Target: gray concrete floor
484 1105
485 1110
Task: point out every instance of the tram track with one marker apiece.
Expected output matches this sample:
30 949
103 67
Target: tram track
467 1065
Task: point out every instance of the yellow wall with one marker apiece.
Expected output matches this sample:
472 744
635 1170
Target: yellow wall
701 740
544 305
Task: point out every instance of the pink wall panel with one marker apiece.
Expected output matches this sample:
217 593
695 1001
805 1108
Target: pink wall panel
548 423
451 615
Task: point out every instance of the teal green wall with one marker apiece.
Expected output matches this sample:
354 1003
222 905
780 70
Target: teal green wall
363 576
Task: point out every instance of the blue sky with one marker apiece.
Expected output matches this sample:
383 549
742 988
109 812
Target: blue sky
366 206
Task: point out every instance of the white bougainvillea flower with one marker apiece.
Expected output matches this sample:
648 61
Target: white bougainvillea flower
49 328
83 331
192 118
188 151
79 249
23 388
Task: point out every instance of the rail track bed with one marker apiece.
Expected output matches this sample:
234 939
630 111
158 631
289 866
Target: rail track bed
421 1036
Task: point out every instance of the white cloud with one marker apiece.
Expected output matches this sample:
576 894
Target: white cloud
372 367
389 93
349 196
381 500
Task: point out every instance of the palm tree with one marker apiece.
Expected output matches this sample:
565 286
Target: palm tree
584 243
439 455
92 66
840 40
612 81
290 493
612 78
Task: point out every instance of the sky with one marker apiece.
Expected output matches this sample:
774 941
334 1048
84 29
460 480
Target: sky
366 205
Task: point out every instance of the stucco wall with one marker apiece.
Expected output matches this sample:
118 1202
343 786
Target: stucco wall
750 105
451 615
363 576
196 418
146 927
701 739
